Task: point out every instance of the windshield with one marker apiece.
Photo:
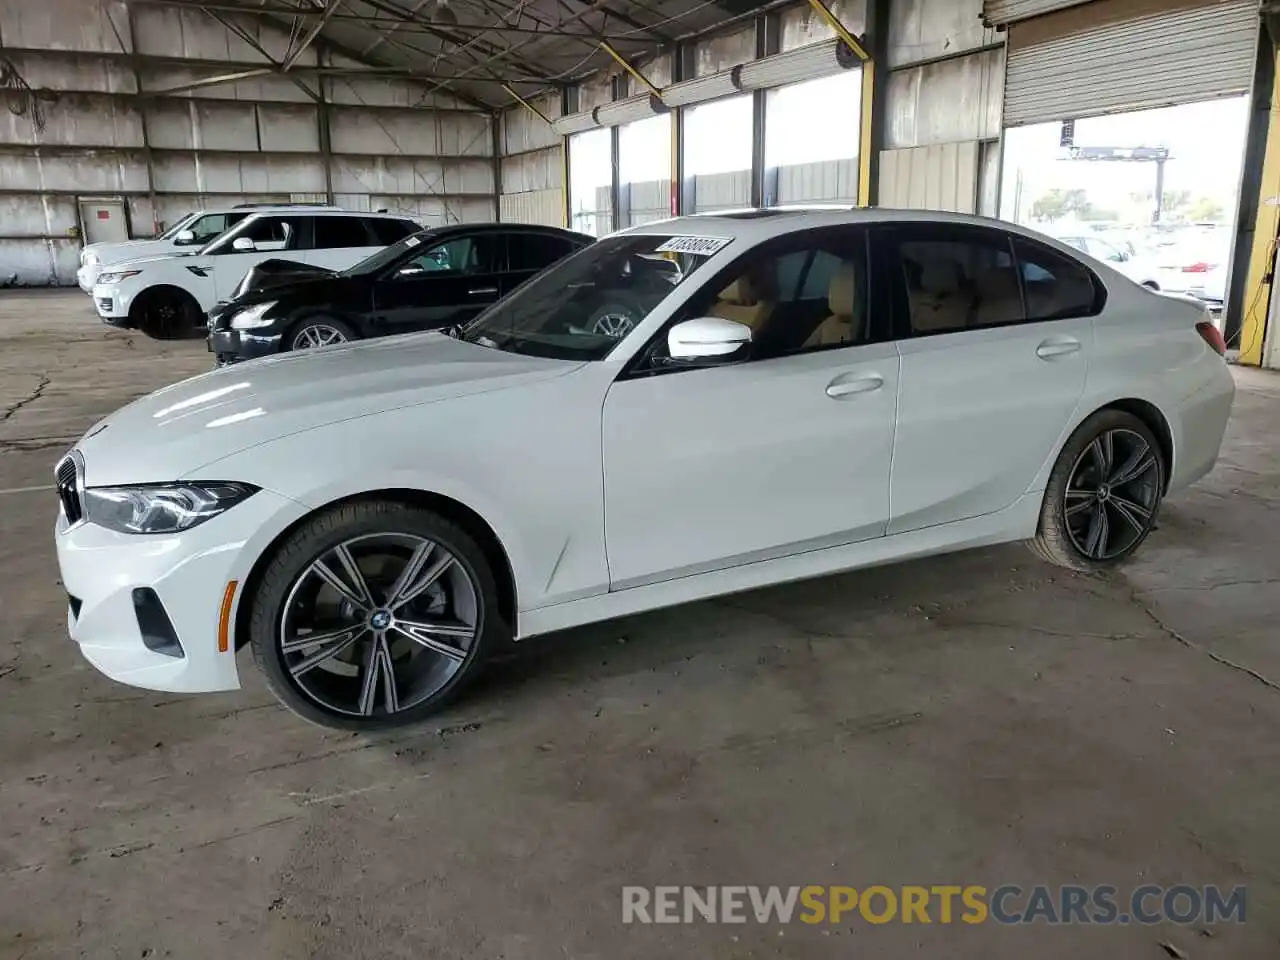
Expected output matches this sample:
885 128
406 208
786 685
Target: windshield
386 256
581 308
178 227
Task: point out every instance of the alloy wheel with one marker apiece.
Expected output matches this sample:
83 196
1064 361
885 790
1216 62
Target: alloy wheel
1111 496
616 325
378 624
317 335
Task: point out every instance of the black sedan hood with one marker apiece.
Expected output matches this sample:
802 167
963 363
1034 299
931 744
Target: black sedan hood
301 288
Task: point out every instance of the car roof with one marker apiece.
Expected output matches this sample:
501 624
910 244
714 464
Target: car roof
758 224
453 229
329 212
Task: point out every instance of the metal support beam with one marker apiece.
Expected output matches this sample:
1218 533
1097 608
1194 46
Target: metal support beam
568 105
874 113
496 121
316 27
527 105
640 77
768 42
1253 294
325 133
131 48
620 214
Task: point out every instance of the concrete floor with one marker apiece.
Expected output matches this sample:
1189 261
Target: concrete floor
977 719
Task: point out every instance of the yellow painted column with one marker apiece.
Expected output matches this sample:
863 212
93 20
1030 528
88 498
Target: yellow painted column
566 212
1259 288
865 144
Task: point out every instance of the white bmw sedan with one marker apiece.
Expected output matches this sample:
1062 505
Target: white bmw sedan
682 410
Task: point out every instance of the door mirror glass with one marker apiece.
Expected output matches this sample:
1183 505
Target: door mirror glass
244 245
184 238
707 339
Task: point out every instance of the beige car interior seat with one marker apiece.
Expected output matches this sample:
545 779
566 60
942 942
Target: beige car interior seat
999 297
741 301
939 302
845 324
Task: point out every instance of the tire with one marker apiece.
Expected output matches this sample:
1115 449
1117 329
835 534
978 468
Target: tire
168 314
1065 534
330 694
319 328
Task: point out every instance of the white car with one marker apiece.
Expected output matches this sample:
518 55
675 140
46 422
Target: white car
812 392
1140 269
190 233
169 295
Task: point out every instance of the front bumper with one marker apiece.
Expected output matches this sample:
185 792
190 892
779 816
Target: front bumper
233 346
116 582
112 303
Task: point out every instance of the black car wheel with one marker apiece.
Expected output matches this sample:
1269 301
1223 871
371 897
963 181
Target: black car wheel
166 313
373 615
1103 495
319 332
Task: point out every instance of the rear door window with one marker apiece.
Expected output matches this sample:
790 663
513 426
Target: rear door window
335 233
531 252
1057 287
387 231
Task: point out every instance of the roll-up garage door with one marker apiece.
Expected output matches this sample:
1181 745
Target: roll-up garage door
1000 12
1135 63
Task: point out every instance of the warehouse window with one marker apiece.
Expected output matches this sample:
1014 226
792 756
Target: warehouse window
812 145
591 182
644 169
717 144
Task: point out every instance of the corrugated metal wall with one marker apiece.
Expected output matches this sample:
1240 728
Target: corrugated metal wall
258 139
532 165
946 88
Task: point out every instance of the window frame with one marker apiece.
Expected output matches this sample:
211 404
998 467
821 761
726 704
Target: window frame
878 331
888 237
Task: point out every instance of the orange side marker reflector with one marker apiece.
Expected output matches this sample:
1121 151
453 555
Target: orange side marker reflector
224 617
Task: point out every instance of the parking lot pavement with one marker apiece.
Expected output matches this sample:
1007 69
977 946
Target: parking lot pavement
975 719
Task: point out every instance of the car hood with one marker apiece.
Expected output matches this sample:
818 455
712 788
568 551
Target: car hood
122 250
139 262
172 433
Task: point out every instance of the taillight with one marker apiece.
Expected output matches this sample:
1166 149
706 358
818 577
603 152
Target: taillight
1212 336
1200 267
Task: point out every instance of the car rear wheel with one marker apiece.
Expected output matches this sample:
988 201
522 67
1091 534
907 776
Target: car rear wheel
319 332
373 615
1103 495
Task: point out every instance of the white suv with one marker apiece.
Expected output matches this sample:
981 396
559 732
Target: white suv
189 234
168 295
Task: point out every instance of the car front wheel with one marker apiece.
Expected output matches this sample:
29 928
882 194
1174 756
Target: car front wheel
373 615
1103 495
319 332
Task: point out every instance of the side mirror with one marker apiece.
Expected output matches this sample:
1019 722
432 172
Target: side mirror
707 338
408 272
243 244
184 238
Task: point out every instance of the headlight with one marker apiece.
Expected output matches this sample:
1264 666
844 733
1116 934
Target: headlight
254 316
162 508
115 276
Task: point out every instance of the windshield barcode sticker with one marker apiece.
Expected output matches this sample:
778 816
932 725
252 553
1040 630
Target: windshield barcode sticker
411 241
699 246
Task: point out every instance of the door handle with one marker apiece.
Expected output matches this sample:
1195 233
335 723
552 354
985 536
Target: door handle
1057 347
481 291
840 388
